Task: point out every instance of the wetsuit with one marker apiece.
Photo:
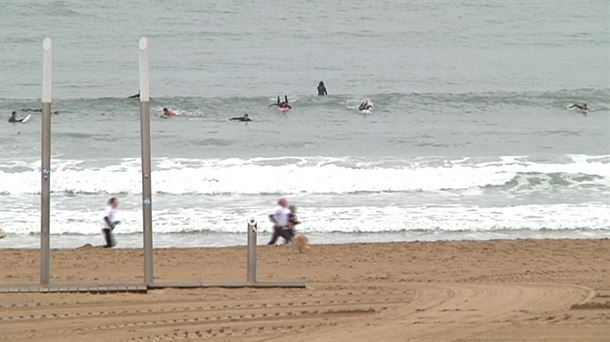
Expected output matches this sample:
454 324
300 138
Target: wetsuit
322 90
240 118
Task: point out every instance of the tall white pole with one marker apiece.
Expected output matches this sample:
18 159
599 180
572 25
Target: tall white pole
252 228
45 240
146 172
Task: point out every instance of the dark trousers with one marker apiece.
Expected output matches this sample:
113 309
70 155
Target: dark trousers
283 232
108 236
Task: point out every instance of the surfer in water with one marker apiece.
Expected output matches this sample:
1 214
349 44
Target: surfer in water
365 105
322 89
168 113
136 96
281 104
244 118
581 106
13 118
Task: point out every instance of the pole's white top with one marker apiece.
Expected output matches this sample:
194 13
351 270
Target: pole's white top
144 74
47 70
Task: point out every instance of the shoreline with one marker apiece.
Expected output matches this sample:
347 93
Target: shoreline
224 239
526 290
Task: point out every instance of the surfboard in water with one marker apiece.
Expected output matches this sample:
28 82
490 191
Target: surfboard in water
26 118
367 111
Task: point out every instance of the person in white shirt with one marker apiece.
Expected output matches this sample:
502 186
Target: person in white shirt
110 221
280 222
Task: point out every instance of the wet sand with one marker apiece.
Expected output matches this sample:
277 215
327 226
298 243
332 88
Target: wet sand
518 290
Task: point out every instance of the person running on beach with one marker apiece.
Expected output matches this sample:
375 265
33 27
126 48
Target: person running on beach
110 221
322 89
244 118
168 113
280 222
13 118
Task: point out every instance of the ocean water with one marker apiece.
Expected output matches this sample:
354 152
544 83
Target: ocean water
471 137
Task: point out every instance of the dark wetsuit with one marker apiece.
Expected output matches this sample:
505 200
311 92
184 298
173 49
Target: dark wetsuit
241 119
322 90
365 106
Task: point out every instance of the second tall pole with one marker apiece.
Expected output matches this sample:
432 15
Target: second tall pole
146 170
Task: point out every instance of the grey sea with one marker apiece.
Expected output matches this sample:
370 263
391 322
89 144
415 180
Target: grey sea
471 137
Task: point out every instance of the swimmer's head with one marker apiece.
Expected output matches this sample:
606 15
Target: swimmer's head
13 113
164 109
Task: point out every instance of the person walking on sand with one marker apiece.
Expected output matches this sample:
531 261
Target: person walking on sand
280 222
110 221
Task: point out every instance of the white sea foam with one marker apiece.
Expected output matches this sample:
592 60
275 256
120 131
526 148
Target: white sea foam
309 175
334 219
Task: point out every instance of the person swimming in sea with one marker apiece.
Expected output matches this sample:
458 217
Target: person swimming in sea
168 113
13 118
365 105
243 118
581 106
281 104
322 89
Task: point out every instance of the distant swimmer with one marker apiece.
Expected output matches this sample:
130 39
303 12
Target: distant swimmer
13 118
136 96
365 105
322 89
581 106
167 113
244 118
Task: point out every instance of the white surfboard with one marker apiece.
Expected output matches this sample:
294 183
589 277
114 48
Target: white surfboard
26 118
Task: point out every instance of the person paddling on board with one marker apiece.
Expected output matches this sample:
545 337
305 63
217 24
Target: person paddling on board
281 104
13 118
244 118
136 96
168 113
322 89
580 106
365 105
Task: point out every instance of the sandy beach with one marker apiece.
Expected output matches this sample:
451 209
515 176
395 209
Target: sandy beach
524 290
